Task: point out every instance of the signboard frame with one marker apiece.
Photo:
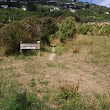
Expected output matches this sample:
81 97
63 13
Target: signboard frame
29 46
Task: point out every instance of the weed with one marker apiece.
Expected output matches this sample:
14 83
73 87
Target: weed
51 64
94 73
76 48
44 82
46 97
60 49
46 48
69 91
57 65
43 90
21 57
32 83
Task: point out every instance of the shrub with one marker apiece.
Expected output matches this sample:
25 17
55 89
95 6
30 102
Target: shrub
48 28
105 30
84 29
60 49
13 33
76 48
67 29
69 91
31 6
29 101
89 19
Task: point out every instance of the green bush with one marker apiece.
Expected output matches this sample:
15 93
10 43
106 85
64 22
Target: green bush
48 28
12 34
29 101
105 30
25 31
84 29
60 49
94 29
67 29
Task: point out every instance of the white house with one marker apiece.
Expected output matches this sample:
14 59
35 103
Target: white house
4 6
107 13
72 10
55 9
24 8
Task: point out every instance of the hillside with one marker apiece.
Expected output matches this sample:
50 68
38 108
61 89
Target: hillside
83 12
71 71
80 76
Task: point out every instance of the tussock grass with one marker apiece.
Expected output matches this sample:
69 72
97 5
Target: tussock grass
60 49
98 46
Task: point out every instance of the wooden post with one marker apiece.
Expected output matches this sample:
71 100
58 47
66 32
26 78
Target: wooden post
39 49
21 51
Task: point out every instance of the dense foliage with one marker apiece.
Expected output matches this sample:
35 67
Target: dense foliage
27 30
94 29
48 28
67 29
93 14
84 29
18 25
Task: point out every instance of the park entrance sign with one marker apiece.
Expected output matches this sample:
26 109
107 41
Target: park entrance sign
29 46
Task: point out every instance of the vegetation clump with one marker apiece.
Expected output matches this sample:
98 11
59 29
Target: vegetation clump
67 29
69 91
84 29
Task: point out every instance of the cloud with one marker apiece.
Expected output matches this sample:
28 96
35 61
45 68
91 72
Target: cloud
99 2
104 3
92 1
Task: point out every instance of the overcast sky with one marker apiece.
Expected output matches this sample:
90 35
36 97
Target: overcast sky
100 2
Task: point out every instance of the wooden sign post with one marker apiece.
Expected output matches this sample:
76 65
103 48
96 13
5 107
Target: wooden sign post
29 46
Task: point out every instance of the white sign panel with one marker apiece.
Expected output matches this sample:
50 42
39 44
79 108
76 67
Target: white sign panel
29 46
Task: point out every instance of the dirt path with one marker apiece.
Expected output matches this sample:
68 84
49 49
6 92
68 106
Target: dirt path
52 55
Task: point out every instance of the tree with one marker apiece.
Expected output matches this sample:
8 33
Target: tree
13 33
67 29
9 3
48 28
87 6
31 6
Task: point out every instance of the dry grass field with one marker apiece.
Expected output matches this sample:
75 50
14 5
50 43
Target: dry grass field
83 65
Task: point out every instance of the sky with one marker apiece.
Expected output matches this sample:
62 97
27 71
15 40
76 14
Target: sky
99 2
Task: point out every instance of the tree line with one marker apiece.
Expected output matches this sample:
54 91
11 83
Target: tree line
31 29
